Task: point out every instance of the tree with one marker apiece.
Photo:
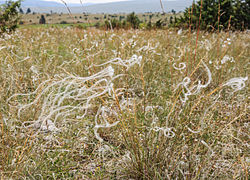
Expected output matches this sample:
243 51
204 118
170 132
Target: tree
42 20
217 14
28 11
133 20
116 24
121 18
171 20
175 20
158 24
241 18
9 16
21 11
124 24
150 16
149 25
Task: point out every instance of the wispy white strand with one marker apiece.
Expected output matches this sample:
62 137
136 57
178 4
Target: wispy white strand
227 58
203 117
102 122
72 90
127 63
236 84
210 149
168 132
194 90
181 66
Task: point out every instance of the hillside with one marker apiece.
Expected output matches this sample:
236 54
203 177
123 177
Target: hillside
138 6
47 4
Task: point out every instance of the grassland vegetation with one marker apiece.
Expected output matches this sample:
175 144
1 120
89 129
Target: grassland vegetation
123 104
88 103
101 21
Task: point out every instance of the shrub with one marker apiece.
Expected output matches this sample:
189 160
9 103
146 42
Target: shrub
63 22
42 20
81 26
158 24
21 11
149 25
133 20
97 25
9 17
28 11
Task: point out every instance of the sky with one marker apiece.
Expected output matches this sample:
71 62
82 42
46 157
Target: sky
87 1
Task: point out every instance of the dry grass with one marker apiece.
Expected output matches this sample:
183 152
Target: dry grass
159 119
29 19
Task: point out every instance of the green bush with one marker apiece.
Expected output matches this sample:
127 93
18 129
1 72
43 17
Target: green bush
217 14
133 20
9 17
42 20
63 22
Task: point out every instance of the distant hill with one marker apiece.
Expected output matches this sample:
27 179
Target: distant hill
38 3
138 6
47 4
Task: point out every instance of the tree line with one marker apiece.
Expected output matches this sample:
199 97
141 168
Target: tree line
216 14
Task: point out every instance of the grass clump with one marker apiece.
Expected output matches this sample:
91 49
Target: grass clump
89 104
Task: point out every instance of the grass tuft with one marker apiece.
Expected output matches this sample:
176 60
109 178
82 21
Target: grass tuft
93 104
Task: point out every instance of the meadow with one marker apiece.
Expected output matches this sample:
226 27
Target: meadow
92 19
124 104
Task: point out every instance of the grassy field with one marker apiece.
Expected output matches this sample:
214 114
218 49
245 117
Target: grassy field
92 104
28 19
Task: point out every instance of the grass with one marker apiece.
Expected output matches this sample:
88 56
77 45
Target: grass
29 19
160 134
79 25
